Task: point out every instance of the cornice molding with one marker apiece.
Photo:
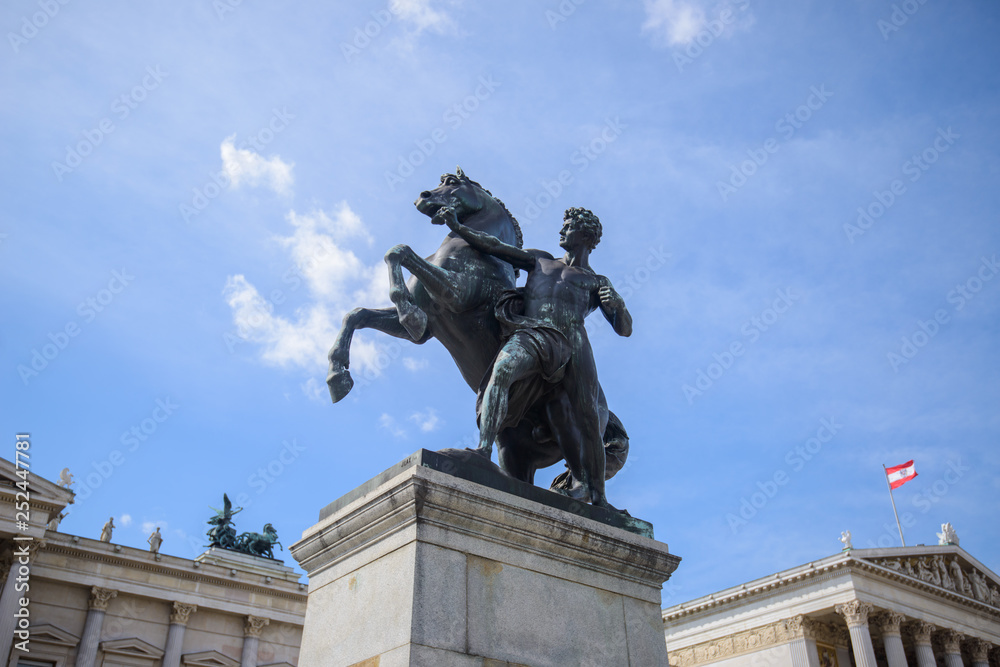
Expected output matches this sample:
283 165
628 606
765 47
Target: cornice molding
838 565
160 568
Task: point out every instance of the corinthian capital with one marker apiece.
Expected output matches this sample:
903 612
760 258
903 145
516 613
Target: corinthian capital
182 612
100 597
254 625
855 613
889 621
922 632
979 649
952 641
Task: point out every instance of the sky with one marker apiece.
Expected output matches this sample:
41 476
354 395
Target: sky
799 204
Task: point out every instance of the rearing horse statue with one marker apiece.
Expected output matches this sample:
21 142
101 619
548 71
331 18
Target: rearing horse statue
452 296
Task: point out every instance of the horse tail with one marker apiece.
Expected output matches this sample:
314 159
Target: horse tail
615 446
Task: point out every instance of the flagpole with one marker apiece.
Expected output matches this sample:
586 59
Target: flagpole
892 500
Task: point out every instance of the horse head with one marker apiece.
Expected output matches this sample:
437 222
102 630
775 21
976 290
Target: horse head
473 204
457 191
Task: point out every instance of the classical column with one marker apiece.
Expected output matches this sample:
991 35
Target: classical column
842 644
980 650
952 648
175 634
856 613
922 641
802 645
892 638
15 563
251 637
86 654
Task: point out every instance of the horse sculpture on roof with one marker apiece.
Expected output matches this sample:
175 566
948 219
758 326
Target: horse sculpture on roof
452 296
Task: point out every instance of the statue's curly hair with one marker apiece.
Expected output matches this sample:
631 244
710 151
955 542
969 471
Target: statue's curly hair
588 221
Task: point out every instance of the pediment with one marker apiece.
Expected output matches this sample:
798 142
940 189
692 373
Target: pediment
948 568
42 490
208 659
47 633
132 646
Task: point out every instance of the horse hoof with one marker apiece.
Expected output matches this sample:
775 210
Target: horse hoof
340 383
415 322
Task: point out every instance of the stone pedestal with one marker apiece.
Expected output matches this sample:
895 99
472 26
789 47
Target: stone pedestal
420 567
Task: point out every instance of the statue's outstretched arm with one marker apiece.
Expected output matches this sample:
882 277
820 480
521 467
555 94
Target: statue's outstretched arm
487 243
613 308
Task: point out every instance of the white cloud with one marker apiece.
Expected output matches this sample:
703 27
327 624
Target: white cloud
246 166
678 22
421 15
411 364
427 420
336 280
149 526
326 266
388 422
125 521
315 390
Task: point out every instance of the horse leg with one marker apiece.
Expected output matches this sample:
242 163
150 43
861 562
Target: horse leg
381 319
445 287
409 315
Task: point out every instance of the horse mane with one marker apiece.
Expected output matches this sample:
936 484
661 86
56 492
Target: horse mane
519 237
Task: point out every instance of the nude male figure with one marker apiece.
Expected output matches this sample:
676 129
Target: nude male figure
547 356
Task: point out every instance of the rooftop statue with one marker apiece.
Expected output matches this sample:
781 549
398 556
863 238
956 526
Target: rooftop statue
463 296
845 539
107 530
947 535
155 539
222 532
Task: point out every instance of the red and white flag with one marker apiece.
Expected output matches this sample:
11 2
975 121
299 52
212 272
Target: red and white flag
901 474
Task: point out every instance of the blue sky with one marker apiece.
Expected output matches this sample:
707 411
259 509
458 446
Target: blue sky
799 204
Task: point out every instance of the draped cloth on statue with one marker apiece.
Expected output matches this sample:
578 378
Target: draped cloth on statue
544 343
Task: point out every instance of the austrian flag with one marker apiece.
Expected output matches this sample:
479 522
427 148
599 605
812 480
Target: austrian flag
901 474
